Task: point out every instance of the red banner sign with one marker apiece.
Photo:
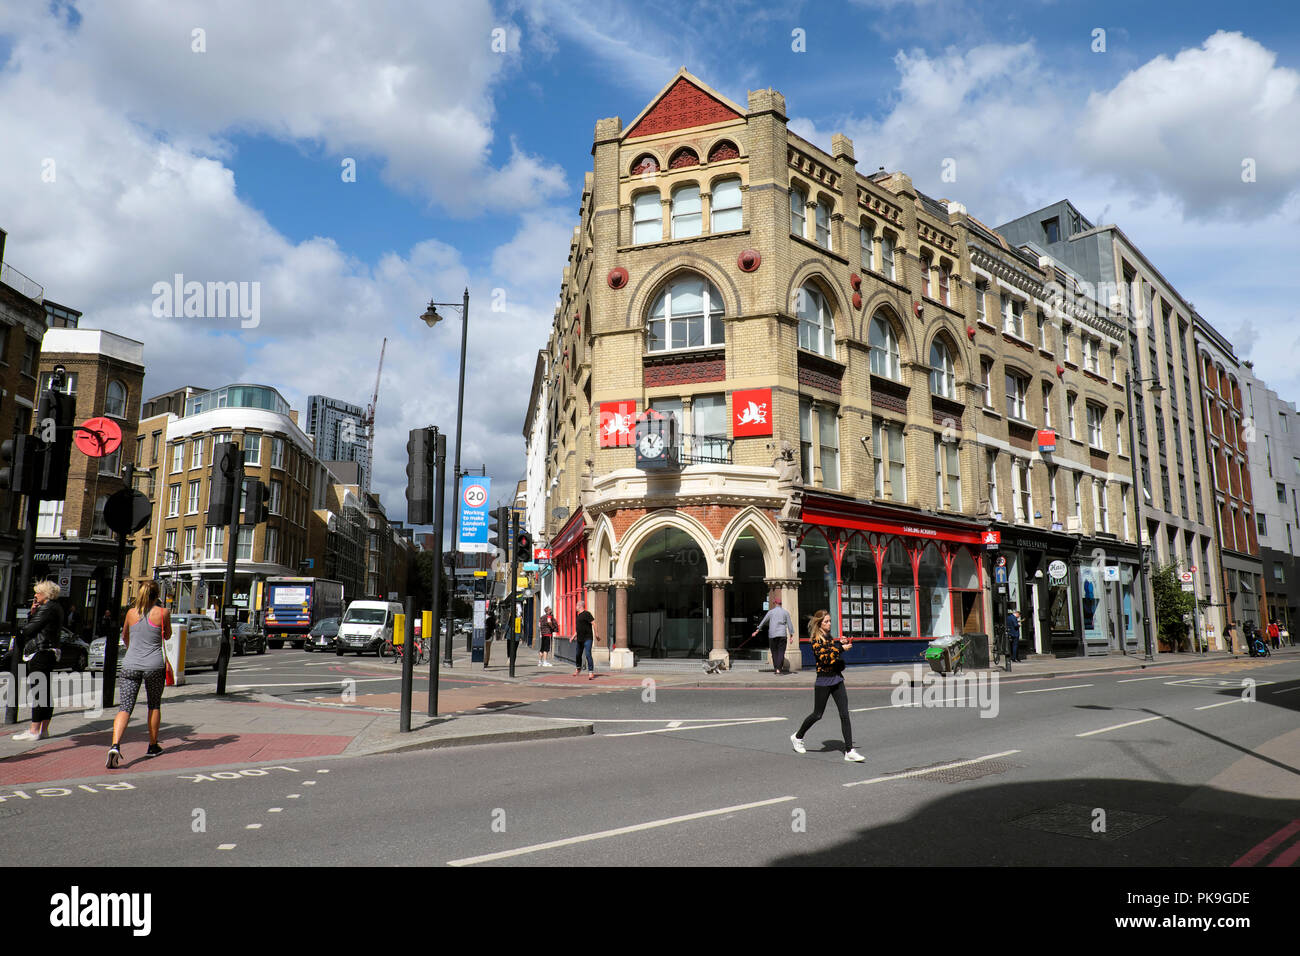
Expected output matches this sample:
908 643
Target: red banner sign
617 424
751 412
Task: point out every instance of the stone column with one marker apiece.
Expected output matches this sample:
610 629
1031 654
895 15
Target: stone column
706 210
719 651
688 424
621 658
666 207
787 589
599 598
814 442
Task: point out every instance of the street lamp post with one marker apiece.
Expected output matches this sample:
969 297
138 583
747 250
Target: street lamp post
1129 382
432 318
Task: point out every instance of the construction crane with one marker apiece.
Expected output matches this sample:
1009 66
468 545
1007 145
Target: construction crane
369 421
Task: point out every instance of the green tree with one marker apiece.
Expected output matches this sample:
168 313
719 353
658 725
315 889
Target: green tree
1172 602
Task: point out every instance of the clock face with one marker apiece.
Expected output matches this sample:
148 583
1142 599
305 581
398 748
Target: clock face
651 445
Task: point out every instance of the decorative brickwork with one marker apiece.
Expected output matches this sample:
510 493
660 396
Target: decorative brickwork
817 379
687 373
684 106
683 158
723 150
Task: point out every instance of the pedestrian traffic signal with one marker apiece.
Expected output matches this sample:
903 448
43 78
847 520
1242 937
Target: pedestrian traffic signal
54 418
221 486
499 529
524 546
257 502
419 477
20 458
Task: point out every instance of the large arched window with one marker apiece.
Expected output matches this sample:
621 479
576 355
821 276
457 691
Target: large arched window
942 380
687 214
816 323
115 400
884 348
687 314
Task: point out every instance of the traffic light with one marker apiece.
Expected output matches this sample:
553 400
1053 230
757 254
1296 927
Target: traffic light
21 460
419 477
524 546
54 417
221 494
499 529
257 504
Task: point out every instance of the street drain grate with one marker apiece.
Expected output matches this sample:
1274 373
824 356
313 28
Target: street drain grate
971 771
1076 820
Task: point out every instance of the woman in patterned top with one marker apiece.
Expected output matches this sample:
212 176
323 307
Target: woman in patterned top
830 683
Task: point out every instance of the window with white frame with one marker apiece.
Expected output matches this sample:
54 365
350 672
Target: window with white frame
887 440
244 551
992 470
214 543
174 501
1092 354
192 505
828 437
111 464
816 323
1095 418
1103 515
1013 316
945 295
277 453
99 527
986 379
798 216
1016 389
1065 341
170 545
1042 332
647 218
1021 494
724 208
1077 482
927 270
887 256
687 314
1119 432
178 457
196 453
867 244
49 520
253 449
1123 508
1114 365
885 357
1047 405
190 545
943 381
947 476
115 399
823 214
1069 413
270 546
981 291
687 212
277 493
1051 496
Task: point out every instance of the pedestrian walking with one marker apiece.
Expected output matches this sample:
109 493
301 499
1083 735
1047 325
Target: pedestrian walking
583 640
106 627
829 654
39 640
1013 633
1273 635
489 629
146 627
780 628
547 628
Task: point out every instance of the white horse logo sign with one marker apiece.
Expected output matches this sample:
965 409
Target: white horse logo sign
751 412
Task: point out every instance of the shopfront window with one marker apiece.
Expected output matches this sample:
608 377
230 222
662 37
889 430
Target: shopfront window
1060 607
897 592
1129 604
934 602
967 596
858 590
817 583
670 609
1092 605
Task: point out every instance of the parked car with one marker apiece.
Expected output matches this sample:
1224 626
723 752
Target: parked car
248 637
323 635
74 653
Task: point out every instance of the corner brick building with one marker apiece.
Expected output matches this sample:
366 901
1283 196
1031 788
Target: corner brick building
860 376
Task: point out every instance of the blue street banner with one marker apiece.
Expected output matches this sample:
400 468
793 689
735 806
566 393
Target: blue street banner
475 493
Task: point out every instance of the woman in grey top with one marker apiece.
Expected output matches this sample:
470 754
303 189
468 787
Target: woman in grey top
147 625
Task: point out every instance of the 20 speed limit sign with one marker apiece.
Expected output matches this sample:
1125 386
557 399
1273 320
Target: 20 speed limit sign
475 496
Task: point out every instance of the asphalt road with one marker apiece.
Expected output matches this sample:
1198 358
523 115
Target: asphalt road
1164 768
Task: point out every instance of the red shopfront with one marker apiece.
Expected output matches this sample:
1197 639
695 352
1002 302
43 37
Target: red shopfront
893 581
569 556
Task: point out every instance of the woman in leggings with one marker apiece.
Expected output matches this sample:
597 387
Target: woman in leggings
147 625
830 683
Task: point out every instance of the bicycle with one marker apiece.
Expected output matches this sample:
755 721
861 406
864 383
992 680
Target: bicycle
1001 652
396 650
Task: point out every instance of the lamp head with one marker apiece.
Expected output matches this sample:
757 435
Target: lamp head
431 316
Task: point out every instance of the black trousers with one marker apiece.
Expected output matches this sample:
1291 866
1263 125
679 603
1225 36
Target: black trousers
777 645
820 696
40 692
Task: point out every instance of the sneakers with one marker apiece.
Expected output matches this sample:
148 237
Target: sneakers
854 757
153 751
28 735
799 748
114 757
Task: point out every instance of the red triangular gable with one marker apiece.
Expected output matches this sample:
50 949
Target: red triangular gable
684 106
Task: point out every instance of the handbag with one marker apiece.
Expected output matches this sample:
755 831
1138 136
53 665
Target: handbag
31 649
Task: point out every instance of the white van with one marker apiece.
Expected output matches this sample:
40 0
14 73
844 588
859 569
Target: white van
367 626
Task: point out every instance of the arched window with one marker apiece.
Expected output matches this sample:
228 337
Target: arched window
647 218
725 212
687 314
942 379
798 200
816 323
645 164
115 400
687 216
723 150
884 348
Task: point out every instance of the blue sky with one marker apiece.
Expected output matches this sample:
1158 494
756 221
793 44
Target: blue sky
224 163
